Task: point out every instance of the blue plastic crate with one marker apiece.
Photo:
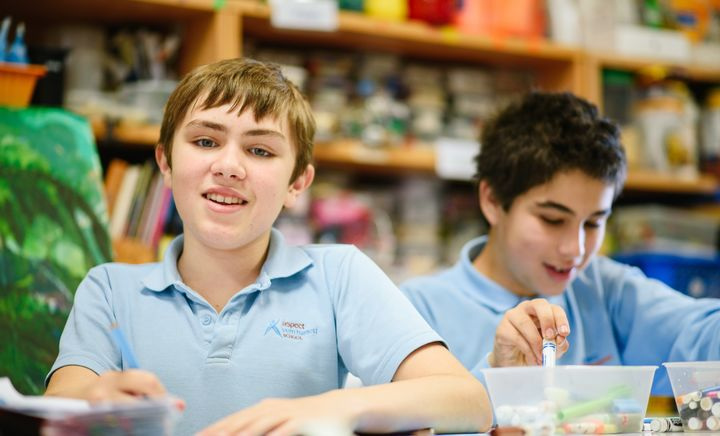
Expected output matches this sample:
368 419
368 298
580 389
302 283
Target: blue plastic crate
697 277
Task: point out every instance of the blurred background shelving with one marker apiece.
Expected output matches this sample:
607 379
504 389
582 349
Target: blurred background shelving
386 92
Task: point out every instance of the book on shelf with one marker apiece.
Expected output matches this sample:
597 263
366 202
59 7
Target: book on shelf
162 217
150 208
123 202
113 179
138 201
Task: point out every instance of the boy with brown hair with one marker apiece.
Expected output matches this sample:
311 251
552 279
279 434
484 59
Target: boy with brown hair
257 336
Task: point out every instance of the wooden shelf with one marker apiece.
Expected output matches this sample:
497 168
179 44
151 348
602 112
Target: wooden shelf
207 28
424 38
110 12
351 154
648 181
555 67
217 33
413 159
694 72
142 135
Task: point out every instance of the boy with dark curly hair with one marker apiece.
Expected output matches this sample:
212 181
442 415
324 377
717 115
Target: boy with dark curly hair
548 171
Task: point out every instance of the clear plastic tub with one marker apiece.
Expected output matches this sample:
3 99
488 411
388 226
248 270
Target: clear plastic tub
696 387
571 399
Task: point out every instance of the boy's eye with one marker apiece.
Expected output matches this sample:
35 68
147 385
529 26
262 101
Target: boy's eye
592 224
551 221
205 143
257 151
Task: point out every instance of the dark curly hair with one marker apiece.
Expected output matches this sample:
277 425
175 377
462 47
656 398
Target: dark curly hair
534 139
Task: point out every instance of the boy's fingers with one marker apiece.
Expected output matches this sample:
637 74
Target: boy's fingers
562 345
561 322
138 382
545 314
509 345
528 338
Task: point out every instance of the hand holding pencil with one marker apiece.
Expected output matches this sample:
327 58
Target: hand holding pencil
523 329
127 385
75 381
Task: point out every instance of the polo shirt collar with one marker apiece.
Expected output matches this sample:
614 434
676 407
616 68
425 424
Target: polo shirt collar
283 260
476 285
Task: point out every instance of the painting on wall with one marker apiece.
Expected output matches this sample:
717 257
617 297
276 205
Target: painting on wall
53 228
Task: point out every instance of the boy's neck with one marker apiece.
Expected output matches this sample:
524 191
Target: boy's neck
217 275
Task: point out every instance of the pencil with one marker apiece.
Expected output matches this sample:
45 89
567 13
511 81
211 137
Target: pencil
125 351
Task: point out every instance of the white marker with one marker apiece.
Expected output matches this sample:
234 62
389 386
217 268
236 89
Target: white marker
666 425
548 353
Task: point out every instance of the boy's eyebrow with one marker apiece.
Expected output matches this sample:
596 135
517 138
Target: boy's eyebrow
562 208
208 124
221 128
263 132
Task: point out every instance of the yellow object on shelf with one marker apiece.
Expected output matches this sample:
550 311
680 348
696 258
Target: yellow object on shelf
17 83
393 10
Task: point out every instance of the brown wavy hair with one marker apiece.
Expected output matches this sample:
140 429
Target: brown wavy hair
244 84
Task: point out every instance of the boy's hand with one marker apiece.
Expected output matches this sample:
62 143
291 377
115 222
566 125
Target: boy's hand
118 386
287 417
75 381
519 336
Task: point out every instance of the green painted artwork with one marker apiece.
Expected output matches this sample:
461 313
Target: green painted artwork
53 228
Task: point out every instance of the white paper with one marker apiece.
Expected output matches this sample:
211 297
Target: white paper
11 398
304 14
455 158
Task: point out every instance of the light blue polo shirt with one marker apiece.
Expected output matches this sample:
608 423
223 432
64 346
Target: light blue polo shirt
314 313
617 316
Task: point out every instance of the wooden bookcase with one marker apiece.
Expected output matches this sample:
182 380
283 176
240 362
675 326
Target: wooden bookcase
214 30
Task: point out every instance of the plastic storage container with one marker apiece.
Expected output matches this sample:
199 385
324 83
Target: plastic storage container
696 387
17 83
695 276
571 399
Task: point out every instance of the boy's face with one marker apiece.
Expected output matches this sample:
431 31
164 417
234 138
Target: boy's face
230 176
549 233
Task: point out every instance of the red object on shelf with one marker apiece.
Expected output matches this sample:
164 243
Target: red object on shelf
436 12
501 18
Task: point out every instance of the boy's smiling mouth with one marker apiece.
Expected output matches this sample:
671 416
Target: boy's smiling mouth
224 199
562 274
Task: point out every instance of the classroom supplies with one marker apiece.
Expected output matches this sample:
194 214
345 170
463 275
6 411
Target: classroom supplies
570 399
696 387
17 52
20 414
666 424
548 352
4 26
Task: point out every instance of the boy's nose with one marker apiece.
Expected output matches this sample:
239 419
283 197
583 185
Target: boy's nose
573 244
229 165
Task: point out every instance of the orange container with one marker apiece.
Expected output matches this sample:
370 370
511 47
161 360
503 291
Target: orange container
17 83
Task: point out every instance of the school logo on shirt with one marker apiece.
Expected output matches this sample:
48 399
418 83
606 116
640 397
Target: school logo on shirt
292 330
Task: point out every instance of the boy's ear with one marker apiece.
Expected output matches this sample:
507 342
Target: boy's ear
163 164
299 185
489 205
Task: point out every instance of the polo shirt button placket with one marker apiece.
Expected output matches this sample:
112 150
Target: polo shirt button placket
206 320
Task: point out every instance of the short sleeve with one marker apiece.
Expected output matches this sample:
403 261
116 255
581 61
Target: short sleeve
86 340
377 327
656 323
